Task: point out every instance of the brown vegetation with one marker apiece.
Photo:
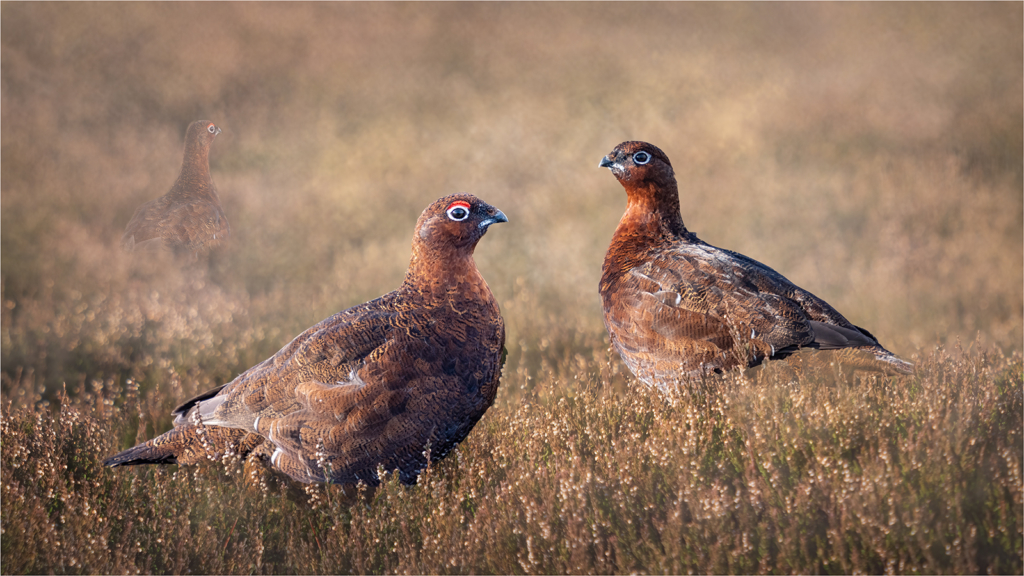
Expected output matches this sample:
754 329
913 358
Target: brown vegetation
870 152
773 475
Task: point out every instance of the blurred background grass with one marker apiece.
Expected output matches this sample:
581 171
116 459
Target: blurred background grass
870 152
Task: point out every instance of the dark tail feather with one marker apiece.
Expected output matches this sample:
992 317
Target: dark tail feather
148 453
188 444
832 337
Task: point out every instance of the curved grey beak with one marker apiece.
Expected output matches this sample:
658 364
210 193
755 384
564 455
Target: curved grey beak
606 162
497 217
218 131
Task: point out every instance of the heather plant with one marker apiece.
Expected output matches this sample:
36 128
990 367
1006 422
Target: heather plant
759 472
869 152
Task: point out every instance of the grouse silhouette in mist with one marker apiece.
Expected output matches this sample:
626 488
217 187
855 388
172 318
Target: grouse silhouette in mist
677 308
188 219
380 383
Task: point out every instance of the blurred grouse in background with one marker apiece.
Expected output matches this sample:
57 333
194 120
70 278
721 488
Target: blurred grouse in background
677 308
379 383
188 219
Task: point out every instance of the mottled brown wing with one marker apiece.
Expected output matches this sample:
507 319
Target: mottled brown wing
695 309
330 353
426 386
146 225
767 280
198 225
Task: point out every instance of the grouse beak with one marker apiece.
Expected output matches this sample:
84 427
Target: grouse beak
218 131
495 218
612 163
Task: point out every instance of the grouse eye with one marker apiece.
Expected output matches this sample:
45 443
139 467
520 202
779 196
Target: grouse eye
641 157
211 128
458 211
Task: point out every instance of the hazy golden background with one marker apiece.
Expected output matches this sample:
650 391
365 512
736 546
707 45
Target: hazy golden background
870 152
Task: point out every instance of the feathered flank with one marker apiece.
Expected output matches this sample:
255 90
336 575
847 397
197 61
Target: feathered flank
677 308
382 383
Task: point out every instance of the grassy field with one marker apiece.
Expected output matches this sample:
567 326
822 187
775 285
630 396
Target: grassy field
872 153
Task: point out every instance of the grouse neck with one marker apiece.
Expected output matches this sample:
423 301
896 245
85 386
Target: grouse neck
195 171
441 269
646 225
652 209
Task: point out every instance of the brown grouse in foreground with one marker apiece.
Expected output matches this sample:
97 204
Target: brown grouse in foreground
188 219
677 308
379 383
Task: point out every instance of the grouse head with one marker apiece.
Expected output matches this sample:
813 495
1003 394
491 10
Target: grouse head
448 230
636 163
201 134
650 183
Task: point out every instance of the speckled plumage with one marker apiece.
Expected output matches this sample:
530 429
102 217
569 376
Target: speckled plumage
188 218
677 308
379 383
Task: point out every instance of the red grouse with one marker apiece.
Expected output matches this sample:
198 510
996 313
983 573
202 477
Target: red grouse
381 383
188 219
677 308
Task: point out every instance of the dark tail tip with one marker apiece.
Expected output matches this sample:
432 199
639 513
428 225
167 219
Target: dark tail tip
142 454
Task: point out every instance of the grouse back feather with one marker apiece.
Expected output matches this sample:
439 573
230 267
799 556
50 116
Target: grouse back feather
380 383
677 308
188 218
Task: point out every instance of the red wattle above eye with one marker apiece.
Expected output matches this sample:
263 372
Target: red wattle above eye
458 203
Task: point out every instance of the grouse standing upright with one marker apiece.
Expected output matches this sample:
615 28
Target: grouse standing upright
188 219
381 383
677 308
